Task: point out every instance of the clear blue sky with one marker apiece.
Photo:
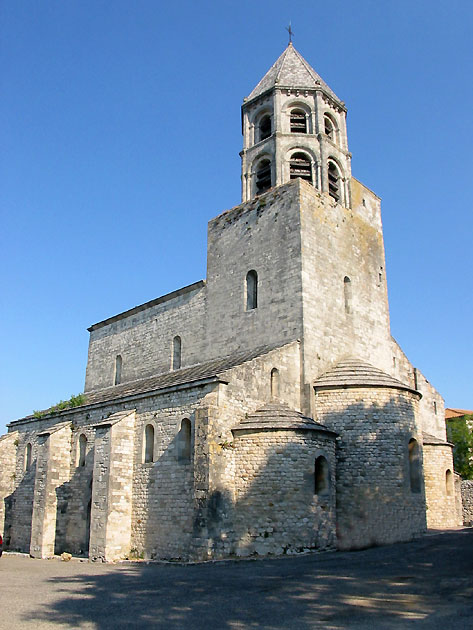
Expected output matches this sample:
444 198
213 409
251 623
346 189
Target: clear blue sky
120 134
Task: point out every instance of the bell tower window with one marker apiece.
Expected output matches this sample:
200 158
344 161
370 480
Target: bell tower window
300 166
333 181
264 128
298 121
263 176
329 127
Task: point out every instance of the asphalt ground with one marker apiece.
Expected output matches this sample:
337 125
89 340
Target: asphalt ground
427 583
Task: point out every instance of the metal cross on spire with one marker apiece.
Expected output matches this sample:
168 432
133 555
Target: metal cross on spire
290 31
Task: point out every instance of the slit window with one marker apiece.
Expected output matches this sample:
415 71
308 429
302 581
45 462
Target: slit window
274 383
414 466
118 370
263 176
251 290
333 181
298 121
264 127
347 294
149 444
321 476
28 456
184 441
449 483
176 352
82 449
300 166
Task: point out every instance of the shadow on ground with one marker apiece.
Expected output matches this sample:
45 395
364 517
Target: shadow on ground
426 584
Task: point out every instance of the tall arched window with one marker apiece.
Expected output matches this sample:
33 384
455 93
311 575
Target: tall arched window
414 466
82 449
176 353
264 127
274 383
449 483
329 127
251 290
118 369
300 166
184 441
263 176
28 456
334 189
347 294
149 444
298 121
321 476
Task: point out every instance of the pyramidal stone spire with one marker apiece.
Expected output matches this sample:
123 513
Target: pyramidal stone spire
291 70
294 126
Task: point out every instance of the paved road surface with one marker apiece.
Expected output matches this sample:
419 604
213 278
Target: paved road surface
423 584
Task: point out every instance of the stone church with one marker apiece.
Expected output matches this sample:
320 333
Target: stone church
264 410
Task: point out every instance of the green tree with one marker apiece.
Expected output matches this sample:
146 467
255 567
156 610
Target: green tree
460 433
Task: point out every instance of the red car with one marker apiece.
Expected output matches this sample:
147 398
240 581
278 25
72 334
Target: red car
1 545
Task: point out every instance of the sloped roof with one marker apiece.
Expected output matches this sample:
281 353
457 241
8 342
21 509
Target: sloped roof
457 413
291 70
434 441
357 373
196 374
278 415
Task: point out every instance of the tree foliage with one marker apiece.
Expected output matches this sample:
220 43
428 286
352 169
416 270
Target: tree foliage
460 433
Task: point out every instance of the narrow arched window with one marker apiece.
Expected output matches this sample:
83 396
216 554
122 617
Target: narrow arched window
82 449
118 369
149 444
263 176
321 476
300 166
449 483
347 294
251 290
334 181
414 466
176 353
264 127
28 456
329 127
298 121
274 383
184 441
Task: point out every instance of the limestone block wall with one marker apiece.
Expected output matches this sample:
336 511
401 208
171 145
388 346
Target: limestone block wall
439 491
467 501
375 503
342 318
110 533
143 338
52 472
8 447
261 235
275 508
431 414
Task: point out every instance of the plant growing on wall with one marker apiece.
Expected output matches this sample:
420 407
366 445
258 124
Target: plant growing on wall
74 401
460 433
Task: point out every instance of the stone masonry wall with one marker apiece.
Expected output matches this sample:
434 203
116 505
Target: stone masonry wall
467 501
440 498
261 235
375 504
342 319
144 340
275 508
52 472
8 447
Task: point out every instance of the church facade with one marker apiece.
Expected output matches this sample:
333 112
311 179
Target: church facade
264 410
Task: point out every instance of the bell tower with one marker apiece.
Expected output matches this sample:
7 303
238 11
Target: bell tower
294 125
